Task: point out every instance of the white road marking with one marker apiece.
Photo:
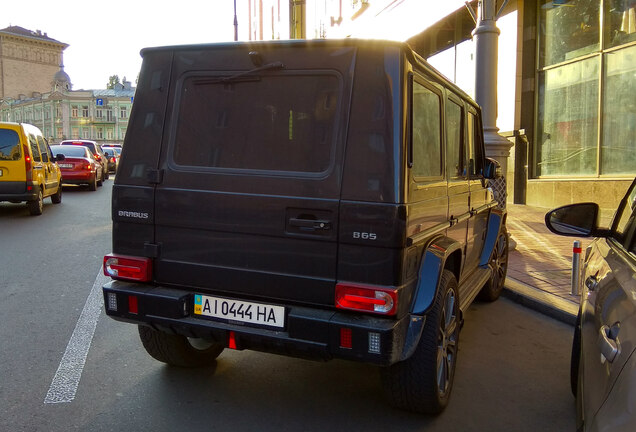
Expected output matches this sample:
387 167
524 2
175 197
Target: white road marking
67 378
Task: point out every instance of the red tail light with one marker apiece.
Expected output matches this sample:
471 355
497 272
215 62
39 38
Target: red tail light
367 298
27 163
128 267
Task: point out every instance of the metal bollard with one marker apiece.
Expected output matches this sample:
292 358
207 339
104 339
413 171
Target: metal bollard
576 268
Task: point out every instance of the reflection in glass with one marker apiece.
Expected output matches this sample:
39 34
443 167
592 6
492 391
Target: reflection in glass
620 22
576 219
618 148
568 120
427 141
569 29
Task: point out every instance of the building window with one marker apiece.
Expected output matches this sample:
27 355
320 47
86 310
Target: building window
109 115
100 133
568 119
620 22
586 114
99 113
568 30
109 134
123 112
38 114
75 133
74 111
85 111
618 145
60 133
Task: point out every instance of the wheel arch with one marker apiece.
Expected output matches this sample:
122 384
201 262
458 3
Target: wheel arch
496 220
442 253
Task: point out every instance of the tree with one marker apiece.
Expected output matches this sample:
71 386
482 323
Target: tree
112 81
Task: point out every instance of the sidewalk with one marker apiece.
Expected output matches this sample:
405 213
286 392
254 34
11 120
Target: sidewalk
540 266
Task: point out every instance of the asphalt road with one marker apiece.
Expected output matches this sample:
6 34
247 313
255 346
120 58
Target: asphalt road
512 374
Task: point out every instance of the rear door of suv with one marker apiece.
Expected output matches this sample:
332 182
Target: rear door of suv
247 194
12 165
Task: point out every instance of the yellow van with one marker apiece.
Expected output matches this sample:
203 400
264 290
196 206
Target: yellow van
28 170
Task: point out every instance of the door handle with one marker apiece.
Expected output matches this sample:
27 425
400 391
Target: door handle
310 224
608 342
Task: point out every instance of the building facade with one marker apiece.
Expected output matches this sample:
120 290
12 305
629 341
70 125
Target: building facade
36 90
574 96
99 115
28 60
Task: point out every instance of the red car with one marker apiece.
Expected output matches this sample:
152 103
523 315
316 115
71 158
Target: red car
79 166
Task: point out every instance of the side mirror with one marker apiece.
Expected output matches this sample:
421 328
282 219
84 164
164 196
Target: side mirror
492 170
59 158
574 220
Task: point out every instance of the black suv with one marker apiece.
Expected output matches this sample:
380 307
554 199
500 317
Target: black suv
319 199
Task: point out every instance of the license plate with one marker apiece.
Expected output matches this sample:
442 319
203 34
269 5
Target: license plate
242 311
65 165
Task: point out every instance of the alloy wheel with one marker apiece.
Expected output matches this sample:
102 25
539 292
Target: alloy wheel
499 260
447 343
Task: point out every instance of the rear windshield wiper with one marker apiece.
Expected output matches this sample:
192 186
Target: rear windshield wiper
242 76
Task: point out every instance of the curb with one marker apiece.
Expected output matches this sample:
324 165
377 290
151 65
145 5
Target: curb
548 304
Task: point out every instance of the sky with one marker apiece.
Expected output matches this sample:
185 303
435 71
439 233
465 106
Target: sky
105 40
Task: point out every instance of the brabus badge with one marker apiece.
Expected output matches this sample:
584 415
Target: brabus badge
133 214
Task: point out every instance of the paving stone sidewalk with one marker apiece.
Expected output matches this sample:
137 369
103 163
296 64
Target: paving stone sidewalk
540 266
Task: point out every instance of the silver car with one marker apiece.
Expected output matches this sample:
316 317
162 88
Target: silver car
603 367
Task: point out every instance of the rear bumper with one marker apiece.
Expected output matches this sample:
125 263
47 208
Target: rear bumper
18 191
77 177
309 332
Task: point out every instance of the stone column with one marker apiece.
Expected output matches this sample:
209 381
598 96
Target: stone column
486 35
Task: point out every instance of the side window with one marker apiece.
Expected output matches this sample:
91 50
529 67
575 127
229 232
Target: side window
33 142
44 151
427 138
475 146
455 154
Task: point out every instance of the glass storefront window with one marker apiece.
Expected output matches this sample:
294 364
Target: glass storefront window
618 146
620 22
568 120
569 29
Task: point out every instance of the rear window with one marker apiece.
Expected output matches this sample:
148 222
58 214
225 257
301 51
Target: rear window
285 122
9 145
88 145
70 151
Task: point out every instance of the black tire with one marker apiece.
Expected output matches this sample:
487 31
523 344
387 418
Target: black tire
103 179
56 198
92 186
576 356
106 173
36 206
499 264
179 350
423 382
